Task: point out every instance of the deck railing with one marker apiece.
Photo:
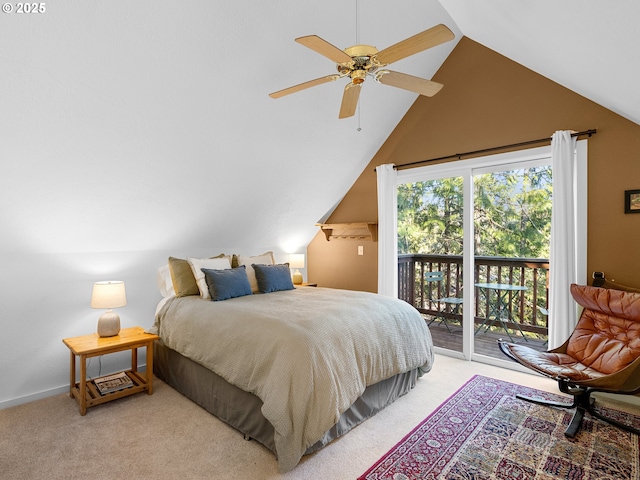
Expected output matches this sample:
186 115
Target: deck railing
527 308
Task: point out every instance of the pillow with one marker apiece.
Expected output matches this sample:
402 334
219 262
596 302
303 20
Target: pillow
165 283
197 264
273 278
182 278
264 259
228 283
184 283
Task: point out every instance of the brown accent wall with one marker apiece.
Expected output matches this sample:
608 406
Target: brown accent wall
487 101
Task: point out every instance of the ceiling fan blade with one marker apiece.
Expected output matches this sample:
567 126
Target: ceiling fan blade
303 86
412 45
349 100
409 82
324 48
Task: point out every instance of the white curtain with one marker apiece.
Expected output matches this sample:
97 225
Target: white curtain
387 220
563 261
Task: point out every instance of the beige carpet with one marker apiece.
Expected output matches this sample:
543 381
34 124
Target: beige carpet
166 436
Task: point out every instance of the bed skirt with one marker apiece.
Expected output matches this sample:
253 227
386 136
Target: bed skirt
242 410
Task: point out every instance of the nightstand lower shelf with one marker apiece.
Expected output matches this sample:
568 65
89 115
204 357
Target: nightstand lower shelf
93 397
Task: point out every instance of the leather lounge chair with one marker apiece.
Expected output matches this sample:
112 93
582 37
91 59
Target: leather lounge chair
601 355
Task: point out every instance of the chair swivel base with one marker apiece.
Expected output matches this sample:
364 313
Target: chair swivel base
582 402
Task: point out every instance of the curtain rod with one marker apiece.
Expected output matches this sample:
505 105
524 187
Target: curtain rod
492 149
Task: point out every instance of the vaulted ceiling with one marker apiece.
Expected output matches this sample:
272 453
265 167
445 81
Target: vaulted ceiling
148 125
588 46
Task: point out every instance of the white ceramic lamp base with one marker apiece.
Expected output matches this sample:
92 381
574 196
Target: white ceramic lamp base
108 324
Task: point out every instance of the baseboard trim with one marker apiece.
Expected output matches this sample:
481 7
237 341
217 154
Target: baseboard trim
33 397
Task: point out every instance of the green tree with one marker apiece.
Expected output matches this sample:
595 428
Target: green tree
512 214
430 217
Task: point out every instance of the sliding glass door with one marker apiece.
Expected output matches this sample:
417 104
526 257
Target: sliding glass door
473 250
512 233
430 247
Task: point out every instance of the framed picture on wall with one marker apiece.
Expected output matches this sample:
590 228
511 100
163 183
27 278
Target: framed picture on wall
632 201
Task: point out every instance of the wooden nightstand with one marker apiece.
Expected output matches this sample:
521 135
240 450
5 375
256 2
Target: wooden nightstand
306 284
87 346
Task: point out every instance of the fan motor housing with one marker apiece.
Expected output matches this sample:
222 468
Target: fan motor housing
361 60
361 51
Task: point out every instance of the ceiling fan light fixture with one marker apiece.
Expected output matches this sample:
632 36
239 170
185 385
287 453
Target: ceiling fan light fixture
358 76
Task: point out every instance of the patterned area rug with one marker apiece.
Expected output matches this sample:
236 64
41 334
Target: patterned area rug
483 432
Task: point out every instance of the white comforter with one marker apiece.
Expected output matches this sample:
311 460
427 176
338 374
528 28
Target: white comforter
307 353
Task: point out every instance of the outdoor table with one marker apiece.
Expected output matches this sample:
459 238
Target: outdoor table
500 309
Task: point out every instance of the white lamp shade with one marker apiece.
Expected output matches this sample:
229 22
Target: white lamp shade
296 260
108 295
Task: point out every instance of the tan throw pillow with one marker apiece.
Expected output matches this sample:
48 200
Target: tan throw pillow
184 283
266 258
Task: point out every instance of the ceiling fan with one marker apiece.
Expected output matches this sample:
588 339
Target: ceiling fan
360 61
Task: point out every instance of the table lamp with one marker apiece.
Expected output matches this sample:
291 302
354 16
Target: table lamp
108 295
296 260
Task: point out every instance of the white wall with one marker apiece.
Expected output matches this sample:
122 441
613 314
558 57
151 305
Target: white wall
45 298
135 130
115 153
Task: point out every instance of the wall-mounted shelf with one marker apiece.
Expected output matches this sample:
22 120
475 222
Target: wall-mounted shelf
352 231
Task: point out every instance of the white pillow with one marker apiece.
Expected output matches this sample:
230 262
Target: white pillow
264 259
165 284
197 264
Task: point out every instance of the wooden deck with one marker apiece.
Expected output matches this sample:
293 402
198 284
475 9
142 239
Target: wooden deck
485 343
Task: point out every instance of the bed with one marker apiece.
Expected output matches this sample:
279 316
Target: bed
293 368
